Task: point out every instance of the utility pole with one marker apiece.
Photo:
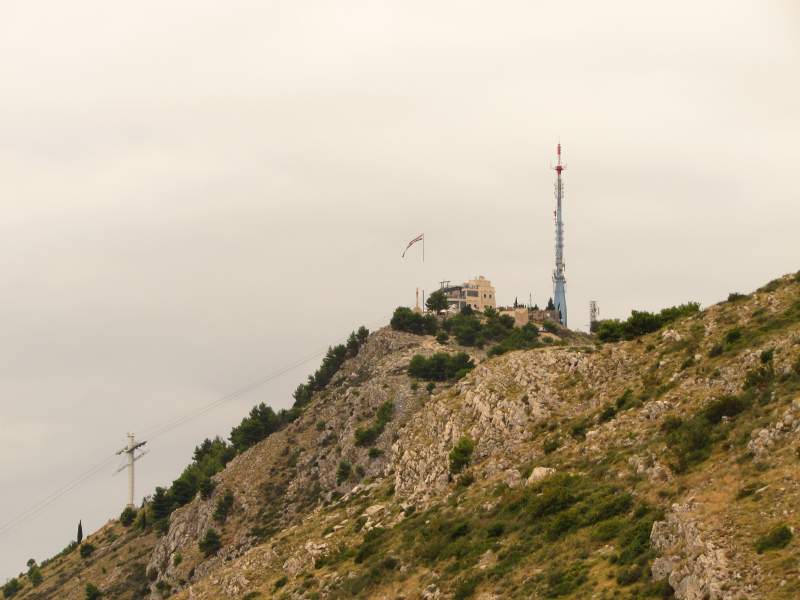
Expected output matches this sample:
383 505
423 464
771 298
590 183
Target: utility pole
130 450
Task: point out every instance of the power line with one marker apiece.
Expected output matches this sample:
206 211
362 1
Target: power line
56 495
157 431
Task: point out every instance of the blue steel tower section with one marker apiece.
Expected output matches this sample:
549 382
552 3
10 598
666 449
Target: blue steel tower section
559 280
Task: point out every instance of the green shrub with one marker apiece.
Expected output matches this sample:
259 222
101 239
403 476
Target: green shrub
563 581
92 592
369 546
405 319
375 452
522 338
343 472
430 387
263 421
331 363
691 440
440 366
496 529
224 506
748 490
161 504
128 516
607 530
281 582
141 520
608 413
552 495
777 538
207 487
716 350
35 575
634 542
771 286
626 400
467 329
210 544
466 587
86 550
551 445
551 327
366 436
461 454
610 330
726 406
11 587
735 296
437 301
466 480
733 336
629 575
642 322
442 337
578 429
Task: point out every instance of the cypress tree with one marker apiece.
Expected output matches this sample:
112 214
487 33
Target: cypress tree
80 532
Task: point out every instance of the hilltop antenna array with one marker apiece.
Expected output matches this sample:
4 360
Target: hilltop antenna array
130 450
559 279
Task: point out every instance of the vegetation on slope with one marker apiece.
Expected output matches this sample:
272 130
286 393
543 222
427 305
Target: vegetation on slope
641 322
584 531
472 329
441 366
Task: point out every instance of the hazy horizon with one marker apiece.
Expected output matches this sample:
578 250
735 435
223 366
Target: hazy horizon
196 195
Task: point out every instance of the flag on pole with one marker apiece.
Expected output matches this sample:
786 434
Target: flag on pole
419 238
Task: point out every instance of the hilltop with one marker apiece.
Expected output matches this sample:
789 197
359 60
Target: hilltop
664 465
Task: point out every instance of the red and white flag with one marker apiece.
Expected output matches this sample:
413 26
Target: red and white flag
419 238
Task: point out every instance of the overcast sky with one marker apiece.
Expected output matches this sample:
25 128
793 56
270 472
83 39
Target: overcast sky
195 194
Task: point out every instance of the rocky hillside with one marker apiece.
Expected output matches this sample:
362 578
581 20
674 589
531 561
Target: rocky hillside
665 466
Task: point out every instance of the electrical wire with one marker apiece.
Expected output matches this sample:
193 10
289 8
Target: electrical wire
156 432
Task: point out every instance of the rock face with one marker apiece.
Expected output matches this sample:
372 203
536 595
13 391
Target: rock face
696 567
496 406
787 426
539 473
275 487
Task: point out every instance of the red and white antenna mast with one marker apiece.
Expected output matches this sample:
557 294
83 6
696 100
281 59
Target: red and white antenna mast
559 278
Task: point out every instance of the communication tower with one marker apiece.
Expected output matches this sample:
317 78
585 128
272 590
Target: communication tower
559 279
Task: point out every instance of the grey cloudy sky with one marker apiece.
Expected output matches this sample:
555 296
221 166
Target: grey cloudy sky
194 194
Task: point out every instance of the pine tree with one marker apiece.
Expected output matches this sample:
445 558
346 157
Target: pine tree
80 532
